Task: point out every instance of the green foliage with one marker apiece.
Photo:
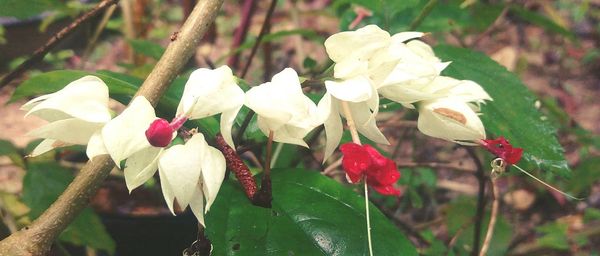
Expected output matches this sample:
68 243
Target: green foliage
42 184
396 16
554 235
9 150
147 48
541 20
584 176
311 215
122 88
512 112
414 180
22 9
460 214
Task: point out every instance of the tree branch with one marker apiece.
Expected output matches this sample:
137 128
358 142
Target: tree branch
39 54
480 201
39 236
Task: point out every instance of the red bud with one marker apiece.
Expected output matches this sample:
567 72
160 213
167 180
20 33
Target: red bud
160 133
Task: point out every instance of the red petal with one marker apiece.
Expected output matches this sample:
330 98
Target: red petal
377 159
514 156
503 149
387 190
386 175
355 160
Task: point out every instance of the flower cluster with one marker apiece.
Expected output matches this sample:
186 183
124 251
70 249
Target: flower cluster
501 148
369 64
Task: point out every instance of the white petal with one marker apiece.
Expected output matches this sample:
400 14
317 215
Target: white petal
45 146
227 120
365 124
85 98
95 146
362 42
73 131
328 110
181 166
405 36
449 119
287 78
213 173
291 135
354 90
197 205
261 100
125 134
167 191
210 92
141 166
350 67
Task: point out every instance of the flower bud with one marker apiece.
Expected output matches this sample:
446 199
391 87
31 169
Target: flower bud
160 133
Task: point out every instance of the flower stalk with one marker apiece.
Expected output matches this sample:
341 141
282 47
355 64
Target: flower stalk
356 139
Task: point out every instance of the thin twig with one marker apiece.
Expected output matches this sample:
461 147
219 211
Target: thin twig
492 224
248 10
237 166
263 31
424 13
480 200
37 238
39 54
366 189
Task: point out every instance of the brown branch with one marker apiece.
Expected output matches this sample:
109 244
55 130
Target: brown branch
39 54
38 237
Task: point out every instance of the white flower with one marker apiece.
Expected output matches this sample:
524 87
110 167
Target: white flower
76 113
209 92
404 71
351 50
450 119
188 172
283 109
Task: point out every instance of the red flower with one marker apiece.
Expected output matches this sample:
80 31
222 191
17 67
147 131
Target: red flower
360 161
503 149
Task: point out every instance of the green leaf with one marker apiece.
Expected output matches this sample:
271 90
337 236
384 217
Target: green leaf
122 88
147 48
9 150
541 20
584 176
22 9
311 215
512 113
554 236
42 184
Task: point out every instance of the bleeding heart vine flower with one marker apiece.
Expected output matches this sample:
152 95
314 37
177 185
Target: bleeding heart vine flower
364 161
283 109
209 92
188 172
75 114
